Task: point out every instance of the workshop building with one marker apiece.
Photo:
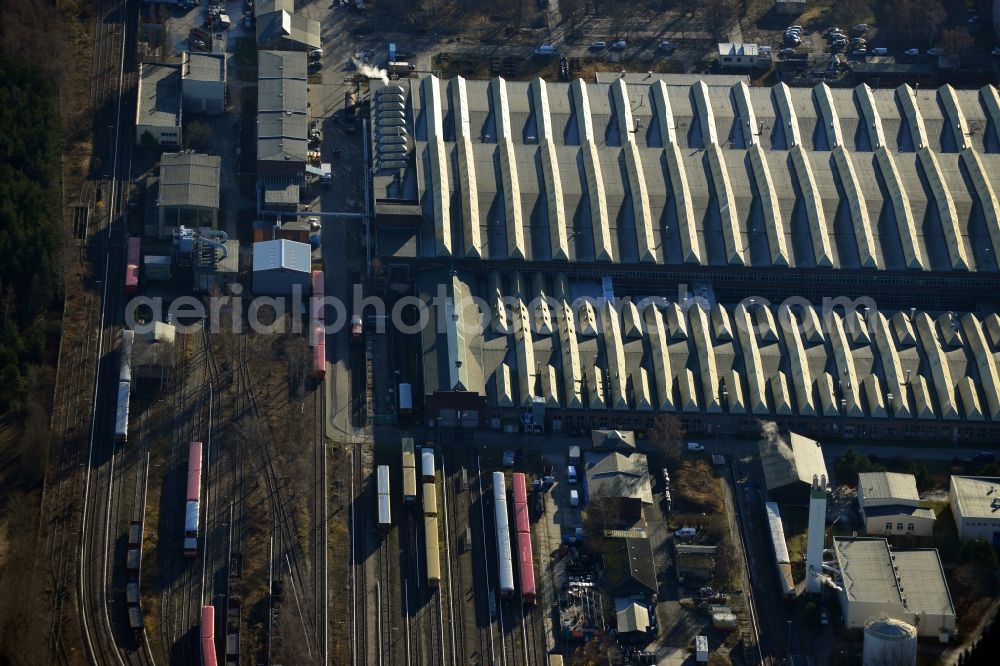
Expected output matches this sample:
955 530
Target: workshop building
975 503
203 82
159 109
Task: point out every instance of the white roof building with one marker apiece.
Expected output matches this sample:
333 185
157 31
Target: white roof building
890 505
907 585
279 266
975 503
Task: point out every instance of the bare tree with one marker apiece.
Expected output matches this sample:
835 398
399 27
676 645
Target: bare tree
718 16
667 438
572 12
956 41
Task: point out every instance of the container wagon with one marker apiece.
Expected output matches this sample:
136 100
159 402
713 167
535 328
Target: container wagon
135 618
125 372
384 513
193 500
430 499
525 559
121 416
427 464
781 558
409 471
318 291
405 399
505 565
132 266
432 551
319 353
208 656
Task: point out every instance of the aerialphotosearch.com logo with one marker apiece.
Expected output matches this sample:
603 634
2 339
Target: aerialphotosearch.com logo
471 315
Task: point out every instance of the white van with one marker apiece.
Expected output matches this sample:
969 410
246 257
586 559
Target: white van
881 51
574 498
571 474
686 532
695 446
545 50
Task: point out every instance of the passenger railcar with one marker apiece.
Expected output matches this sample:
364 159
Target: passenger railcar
430 499
427 464
409 471
432 551
505 564
384 510
208 655
405 399
192 507
121 416
781 558
132 265
125 371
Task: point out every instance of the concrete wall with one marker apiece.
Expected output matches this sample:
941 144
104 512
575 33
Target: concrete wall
876 526
167 137
204 96
281 283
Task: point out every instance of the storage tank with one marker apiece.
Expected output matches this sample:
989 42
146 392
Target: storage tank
889 641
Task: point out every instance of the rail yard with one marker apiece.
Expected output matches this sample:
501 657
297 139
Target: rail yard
369 359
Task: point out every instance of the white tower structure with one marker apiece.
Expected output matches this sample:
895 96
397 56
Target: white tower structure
816 534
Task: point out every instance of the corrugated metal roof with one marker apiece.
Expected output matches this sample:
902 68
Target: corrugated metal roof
282 64
282 255
888 485
286 25
189 179
791 459
204 66
615 475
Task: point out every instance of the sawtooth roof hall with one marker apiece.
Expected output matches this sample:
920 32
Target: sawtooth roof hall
513 190
693 175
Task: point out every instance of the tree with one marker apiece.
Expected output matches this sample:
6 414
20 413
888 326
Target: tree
725 563
198 136
956 41
572 11
980 552
850 12
148 142
718 16
849 465
667 438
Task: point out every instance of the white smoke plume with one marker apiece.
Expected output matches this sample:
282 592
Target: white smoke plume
829 582
769 432
370 71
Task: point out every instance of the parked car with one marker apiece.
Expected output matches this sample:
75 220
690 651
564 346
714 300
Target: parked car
831 29
667 46
839 45
880 51
571 474
695 447
508 458
545 50
666 476
912 52
859 28
313 223
784 53
620 45
996 51
824 617
860 52
598 46
935 52
792 40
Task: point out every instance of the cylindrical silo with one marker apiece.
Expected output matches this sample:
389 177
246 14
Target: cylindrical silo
889 641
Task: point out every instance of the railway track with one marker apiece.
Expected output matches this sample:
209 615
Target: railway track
286 552
453 570
359 579
320 546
